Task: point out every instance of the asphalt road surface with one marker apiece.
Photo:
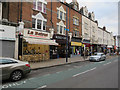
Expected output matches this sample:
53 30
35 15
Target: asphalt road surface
86 74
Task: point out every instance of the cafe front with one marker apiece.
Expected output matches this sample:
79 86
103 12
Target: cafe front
35 45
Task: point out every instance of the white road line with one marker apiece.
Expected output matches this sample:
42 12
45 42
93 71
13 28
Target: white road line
44 86
83 72
107 63
30 78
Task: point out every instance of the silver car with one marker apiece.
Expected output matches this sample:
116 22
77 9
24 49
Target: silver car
13 69
97 57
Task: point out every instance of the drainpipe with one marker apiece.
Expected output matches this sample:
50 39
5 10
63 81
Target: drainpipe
51 14
21 12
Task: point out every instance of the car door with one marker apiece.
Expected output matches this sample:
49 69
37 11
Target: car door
102 57
6 68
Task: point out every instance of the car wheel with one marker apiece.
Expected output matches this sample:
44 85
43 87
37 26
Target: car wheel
16 75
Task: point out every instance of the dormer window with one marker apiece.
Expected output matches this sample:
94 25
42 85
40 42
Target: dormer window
39 22
61 13
40 5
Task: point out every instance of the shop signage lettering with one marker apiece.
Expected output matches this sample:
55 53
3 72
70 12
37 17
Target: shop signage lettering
35 33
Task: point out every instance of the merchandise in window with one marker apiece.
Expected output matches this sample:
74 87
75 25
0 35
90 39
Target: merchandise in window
44 25
39 23
33 23
39 6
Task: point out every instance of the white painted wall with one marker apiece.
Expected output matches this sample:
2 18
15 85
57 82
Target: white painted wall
7 32
94 32
100 36
86 28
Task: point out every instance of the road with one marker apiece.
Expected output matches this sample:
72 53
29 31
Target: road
86 74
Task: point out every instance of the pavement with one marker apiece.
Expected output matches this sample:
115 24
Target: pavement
57 62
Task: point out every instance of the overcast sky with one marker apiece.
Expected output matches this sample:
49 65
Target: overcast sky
106 12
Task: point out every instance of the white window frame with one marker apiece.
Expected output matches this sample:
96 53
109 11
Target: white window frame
63 13
43 2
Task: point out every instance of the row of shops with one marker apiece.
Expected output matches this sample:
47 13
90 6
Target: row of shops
35 45
38 46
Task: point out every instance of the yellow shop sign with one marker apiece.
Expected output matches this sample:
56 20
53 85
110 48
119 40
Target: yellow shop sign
76 44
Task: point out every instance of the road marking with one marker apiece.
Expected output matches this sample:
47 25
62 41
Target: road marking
107 63
83 72
44 86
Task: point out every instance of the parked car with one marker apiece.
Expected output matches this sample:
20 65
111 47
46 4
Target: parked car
13 69
98 57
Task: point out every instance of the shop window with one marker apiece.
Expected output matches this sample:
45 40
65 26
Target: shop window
39 23
44 25
33 23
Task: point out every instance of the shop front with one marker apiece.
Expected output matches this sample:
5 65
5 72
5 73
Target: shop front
60 50
87 47
35 46
76 46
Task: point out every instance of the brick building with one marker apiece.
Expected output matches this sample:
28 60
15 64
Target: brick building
44 30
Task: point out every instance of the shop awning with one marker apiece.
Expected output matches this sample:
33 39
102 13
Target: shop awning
109 46
40 41
76 44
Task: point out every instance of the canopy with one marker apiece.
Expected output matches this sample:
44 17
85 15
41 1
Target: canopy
40 41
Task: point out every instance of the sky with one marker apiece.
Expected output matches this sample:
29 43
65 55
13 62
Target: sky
106 12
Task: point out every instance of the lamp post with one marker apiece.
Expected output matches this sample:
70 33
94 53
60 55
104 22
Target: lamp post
66 35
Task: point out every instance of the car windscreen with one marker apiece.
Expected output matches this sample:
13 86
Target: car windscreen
7 61
97 54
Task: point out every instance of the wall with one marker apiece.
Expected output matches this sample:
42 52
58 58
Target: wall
7 32
100 36
0 10
94 32
87 30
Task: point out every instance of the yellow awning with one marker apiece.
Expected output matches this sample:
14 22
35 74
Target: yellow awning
76 44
